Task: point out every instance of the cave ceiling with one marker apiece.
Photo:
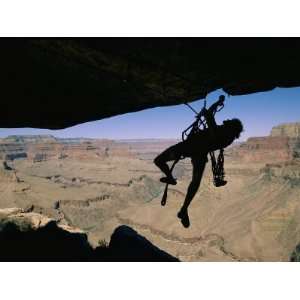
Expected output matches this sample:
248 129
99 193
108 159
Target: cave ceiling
59 82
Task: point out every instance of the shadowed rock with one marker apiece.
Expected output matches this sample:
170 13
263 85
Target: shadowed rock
127 245
28 236
87 79
295 256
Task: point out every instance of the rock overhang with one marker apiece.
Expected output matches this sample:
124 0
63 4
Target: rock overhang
59 82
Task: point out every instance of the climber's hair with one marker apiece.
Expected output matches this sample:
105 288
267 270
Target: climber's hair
235 126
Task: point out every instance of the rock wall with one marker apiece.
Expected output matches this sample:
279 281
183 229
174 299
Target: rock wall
263 149
41 148
9 151
291 130
283 144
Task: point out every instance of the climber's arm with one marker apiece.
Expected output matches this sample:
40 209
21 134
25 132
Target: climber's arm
210 119
210 114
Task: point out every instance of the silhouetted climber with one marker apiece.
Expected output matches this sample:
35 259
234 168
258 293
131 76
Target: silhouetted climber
197 145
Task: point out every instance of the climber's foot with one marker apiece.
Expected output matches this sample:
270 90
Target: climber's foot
163 202
184 218
220 183
168 180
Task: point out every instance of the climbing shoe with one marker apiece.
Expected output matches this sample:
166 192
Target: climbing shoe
168 180
220 183
184 218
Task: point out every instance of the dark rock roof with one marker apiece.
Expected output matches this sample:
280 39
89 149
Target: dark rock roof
56 83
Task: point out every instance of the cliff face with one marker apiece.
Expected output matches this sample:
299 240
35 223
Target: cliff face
283 144
263 149
41 148
291 130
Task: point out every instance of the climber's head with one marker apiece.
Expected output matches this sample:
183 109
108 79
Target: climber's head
234 127
221 98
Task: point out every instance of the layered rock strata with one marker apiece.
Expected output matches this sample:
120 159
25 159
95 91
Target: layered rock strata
283 144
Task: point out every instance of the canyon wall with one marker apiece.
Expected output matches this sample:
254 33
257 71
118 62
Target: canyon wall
44 147
283 144
291 130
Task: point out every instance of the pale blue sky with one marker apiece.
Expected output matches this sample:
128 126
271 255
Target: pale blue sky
259 112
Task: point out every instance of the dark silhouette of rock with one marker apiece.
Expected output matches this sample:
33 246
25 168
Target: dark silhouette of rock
127 245
295 256
49 243
86 79
28 236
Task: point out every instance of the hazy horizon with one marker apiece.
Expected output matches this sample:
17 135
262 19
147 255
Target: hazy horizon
259 112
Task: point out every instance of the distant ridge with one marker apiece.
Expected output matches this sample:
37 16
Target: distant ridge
291 130
44 138
28 138
34 138
283 144
147 140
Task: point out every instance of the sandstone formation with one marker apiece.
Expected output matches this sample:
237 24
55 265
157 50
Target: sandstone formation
283 144
39 148
58 82
291 130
